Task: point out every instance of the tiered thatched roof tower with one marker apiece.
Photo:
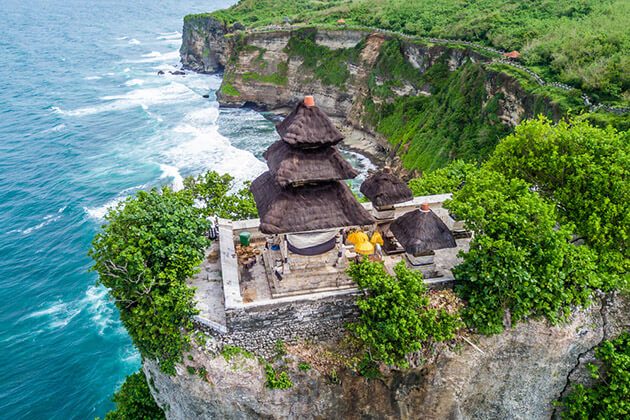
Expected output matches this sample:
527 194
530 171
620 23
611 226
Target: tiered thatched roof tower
302 191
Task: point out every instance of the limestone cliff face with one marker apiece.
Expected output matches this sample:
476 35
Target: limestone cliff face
264 72
516 375
203 44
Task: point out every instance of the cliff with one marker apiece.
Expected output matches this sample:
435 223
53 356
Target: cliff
427 103
517 374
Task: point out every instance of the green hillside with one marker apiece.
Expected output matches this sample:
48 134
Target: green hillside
585 43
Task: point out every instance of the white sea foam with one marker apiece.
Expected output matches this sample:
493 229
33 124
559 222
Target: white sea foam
46 220
98 213
121 38
169 171
134 41
92 78
55 129
134 82
58 315
206 149
170 36
172 93
154 57
96 304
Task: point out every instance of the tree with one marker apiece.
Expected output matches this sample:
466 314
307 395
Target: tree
395 315
443 180
134 401
584 170
151 244
520 263
219 197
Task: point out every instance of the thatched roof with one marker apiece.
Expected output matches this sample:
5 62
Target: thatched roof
301 209
422 231
308 126
383 188
290 165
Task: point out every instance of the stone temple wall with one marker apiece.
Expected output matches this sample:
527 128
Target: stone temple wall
258 328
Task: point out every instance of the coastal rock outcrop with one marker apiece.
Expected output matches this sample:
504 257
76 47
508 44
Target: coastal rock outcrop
517 374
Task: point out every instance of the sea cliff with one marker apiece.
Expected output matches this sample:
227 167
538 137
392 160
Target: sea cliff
517 374
424 102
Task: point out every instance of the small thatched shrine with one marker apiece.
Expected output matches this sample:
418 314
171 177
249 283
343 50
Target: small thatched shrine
302 195
421 232
384 189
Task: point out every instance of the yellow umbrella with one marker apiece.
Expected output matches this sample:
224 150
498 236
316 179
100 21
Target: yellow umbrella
357 237
364 248
376 238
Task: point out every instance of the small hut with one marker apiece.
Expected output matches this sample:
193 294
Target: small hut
421 232
512 54
301 196
384 189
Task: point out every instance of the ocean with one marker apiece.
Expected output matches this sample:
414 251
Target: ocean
85 121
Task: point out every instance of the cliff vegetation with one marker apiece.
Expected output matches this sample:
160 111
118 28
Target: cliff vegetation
584 43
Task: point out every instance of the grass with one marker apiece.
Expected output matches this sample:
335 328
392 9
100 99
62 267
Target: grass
228 89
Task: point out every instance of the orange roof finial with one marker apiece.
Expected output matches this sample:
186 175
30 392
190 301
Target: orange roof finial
309 101
424 207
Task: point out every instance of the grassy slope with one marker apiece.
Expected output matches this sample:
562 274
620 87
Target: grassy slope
582 42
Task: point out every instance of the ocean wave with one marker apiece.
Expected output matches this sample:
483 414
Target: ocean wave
134 82
155 56
47 219
94 303
98 213
100 310
169 171
92 78
170 36
172 93
206 149
134 41
59 314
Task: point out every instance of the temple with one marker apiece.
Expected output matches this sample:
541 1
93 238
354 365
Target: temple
291 263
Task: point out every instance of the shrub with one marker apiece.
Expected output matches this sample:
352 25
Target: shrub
150 246
230 352
219 196
134 401
520 263
395 317
277 380
608 398
443 180
584 171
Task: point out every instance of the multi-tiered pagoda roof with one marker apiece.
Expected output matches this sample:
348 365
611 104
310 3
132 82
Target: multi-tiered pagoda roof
302 191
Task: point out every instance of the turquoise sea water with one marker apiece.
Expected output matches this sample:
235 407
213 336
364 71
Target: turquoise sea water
84 122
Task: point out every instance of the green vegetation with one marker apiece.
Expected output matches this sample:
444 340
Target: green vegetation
443 180
329 66
275 379
151 244
228 89
395 316
608 398
584 172
274 78
134 401
520 264
230 352
216 194
551 214
304 367
585 43
457 120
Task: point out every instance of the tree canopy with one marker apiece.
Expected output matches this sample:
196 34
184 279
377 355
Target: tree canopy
584 171
150 245
395 316
520 262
